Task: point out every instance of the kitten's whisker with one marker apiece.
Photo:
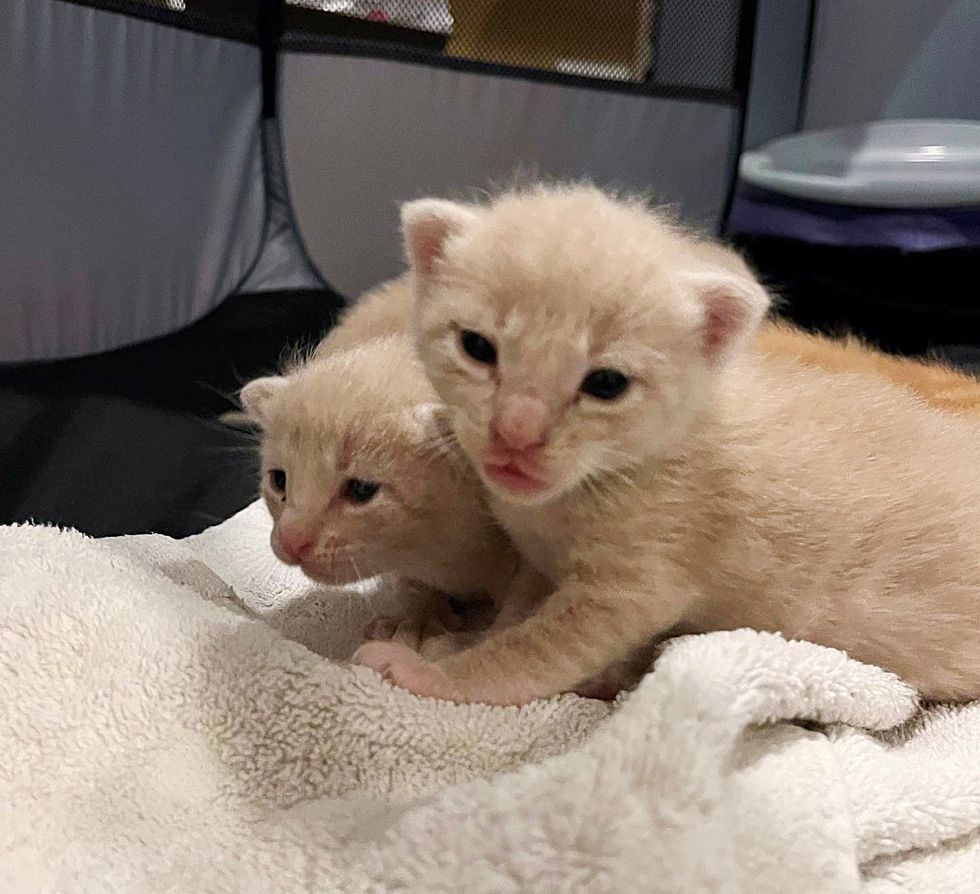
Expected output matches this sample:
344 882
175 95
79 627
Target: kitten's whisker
350 558
600 477
621 456
236 448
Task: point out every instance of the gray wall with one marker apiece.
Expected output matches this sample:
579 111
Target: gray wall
777 70
363 135
131 189
894 59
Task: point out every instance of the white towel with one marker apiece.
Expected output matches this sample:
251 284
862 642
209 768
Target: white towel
155 736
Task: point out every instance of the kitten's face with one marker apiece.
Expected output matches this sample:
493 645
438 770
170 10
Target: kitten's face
546 400
567 331
353 491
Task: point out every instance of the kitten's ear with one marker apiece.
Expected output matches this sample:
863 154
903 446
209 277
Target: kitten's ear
732 307
426 226
258 394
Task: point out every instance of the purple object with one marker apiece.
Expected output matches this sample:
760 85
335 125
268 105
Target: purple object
759 212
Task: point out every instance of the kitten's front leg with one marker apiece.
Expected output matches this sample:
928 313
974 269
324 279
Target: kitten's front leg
526 591
579 631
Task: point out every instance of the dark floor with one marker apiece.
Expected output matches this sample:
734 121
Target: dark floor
129 442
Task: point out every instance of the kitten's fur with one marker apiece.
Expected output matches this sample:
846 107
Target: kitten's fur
383 311
934 382
361 407
722 490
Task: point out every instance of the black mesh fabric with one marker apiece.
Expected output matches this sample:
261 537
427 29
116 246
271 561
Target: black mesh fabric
236 19
671 46
696 44
421 15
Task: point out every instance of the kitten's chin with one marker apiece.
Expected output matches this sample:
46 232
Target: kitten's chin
334 577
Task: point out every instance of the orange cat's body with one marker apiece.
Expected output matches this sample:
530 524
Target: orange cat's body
934 382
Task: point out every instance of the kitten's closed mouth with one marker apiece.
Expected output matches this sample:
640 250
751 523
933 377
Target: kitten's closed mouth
512 477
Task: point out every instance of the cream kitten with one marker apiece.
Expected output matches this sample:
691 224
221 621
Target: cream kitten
359 482
385 310
362 478
664 476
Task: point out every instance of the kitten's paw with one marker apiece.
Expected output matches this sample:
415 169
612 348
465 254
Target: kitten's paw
407 631
406 669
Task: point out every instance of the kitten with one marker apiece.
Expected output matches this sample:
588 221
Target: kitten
385 310
664 476
362 478
359 482
934 382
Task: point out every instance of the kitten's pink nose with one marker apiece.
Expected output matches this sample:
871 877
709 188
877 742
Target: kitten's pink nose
295 540
521 421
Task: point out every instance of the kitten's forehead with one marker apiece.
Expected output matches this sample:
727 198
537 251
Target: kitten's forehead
574 314
332 432
516 320
353 400
569 263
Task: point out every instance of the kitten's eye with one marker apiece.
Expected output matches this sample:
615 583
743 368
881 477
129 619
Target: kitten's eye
479 348
357 490
277 480
604 384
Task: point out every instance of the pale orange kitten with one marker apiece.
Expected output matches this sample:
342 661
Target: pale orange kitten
358 481
665 477
363 479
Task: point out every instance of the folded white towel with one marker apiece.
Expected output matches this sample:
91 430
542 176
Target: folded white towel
155 736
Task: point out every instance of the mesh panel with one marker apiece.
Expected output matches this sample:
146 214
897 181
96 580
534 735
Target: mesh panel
579 37
226 18
422 15
668 44
696 43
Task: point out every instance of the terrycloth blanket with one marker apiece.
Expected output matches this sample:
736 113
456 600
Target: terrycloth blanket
177 716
